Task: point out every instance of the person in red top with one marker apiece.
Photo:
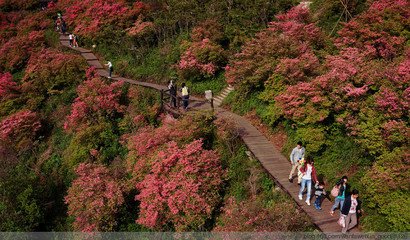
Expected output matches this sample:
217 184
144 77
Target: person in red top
308 174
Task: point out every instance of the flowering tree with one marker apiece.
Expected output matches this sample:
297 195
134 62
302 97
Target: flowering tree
8 88
287 48
50 72
201 58
19 129
91 17
182 188
15 52
93 199
96 99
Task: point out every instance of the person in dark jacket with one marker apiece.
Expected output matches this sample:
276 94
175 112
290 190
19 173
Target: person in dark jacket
173 92
351 208
343 191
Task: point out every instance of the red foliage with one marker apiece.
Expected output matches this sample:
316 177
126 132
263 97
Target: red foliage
287 47
8 88
15 52
19 129
182 188
204 57
148 140
93 198
95 99
89 17
380 30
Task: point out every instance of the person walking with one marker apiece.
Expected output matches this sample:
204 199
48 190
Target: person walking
63 27
58 24
340 198
308 174
185 95
173 92
70 39
320 192
295 159
350 210
75 40
110 68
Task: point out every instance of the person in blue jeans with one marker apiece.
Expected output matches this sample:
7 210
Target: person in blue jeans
308 174
343 192
319 193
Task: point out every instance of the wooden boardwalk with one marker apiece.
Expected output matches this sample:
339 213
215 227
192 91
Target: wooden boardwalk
264 151
279 167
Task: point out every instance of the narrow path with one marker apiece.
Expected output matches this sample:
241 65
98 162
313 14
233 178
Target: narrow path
278 167
264 151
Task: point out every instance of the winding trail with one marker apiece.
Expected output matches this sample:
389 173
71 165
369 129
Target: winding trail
263 150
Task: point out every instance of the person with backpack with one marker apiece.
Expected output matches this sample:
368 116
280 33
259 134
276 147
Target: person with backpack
110 68
185 95
351 207
309 174
341 188
173 92
296 157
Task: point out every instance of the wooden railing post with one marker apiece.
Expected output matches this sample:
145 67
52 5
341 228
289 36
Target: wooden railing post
162 99
212 103
176 96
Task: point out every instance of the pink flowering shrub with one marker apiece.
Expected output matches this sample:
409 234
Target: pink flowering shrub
17 50
201 58
8 88
287 47
380 31
252 216
20 129
94 198
210 29
90 18
96 99
50 72
182 188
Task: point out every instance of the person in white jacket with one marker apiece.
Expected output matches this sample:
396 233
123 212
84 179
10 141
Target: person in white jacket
295 159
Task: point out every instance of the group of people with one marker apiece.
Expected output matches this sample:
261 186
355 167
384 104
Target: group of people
61 27
173 92
60 24
345 200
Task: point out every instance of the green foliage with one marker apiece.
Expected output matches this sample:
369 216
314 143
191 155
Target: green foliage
387 190
101 138
20 204
216 84
329 12
314 138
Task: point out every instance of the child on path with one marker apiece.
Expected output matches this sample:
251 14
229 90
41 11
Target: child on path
319 194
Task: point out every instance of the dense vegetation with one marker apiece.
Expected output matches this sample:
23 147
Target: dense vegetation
346 97
81 153
78 152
